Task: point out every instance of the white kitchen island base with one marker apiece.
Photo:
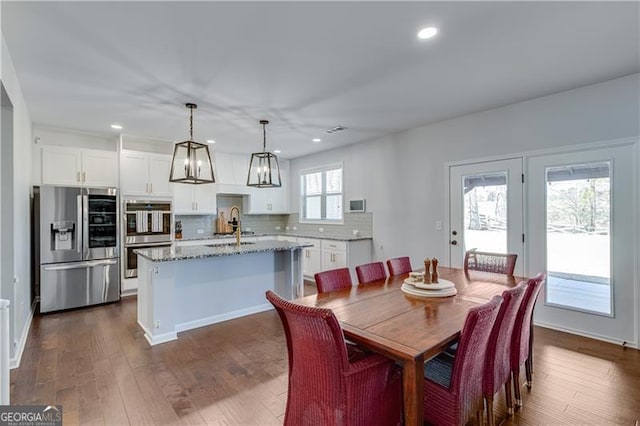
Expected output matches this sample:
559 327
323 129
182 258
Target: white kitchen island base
178 293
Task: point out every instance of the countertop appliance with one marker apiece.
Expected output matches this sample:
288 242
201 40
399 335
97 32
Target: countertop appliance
147 225
76 232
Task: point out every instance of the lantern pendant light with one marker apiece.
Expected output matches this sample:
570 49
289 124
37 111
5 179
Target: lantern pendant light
264 171
191 160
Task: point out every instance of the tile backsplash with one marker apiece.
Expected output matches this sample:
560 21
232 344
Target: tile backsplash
269 224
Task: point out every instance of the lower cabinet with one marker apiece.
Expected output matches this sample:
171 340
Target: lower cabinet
332 254
311 257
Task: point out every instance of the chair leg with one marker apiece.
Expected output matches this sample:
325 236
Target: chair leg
490 419
508 398
529 372
479 417
516 387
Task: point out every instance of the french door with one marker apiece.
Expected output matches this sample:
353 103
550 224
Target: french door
582 223
485 209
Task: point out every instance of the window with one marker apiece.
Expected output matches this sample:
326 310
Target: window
321 194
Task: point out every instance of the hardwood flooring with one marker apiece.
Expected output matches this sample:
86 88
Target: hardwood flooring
97 364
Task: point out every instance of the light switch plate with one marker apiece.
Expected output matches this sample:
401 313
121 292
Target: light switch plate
200 231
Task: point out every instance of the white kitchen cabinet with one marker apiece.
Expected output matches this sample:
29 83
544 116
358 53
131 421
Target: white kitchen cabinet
145 174
194 199
311 257
334 254
75 167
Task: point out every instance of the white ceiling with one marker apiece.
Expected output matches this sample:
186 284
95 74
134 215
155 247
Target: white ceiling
305 66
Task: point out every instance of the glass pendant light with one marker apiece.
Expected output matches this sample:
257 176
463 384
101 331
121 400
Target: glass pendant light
264 171
191 160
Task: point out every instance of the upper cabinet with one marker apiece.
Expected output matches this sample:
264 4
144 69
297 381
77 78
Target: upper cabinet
194 199
271 200
145 174
79 167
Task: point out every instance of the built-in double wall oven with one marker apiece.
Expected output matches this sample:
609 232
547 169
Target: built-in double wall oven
147 224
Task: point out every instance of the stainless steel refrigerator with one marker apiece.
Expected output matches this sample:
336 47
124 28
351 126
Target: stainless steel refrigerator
76 233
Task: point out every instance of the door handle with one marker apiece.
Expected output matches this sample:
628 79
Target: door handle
454 243
84 177
78 265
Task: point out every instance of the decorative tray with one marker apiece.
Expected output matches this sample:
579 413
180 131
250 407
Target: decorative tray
410 289
440 285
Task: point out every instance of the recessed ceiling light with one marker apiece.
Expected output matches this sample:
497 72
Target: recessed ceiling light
211 141
277 151
116 126
427 32
316 140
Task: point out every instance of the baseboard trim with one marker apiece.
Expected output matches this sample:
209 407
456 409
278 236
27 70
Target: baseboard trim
628 344
15 361
190 325
128 293
158 338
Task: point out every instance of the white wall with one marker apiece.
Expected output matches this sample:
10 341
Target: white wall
402 176
21 300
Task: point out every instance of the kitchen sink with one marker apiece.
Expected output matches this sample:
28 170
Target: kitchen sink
242 243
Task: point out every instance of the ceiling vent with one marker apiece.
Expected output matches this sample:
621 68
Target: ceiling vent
335 129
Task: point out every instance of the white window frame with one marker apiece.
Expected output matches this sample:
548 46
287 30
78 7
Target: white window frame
323 195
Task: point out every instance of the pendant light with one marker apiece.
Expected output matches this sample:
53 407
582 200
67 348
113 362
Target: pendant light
264 171
191 160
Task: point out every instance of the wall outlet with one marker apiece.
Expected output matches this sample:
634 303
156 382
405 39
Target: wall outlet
200 231
277 227
321 229
295 228
248 229
286 228
356 233
438 225
156 324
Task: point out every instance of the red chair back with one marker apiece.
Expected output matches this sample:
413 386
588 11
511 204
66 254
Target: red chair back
325 388
399 265
468 366
472 347
522 327
317 359
371 272
490 262
498 361
332 280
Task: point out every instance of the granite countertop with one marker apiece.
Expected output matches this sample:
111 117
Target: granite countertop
168 254
287 234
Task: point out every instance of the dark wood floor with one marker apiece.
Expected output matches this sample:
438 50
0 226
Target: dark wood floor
97 364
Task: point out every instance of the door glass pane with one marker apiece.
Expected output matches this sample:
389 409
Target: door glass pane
578 237
485 212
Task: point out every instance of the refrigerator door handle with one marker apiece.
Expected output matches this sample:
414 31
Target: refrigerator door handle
85 226
79 226
78 265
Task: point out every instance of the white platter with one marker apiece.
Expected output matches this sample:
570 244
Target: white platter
440 285
409 289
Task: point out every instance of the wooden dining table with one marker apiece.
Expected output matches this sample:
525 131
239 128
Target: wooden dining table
410 329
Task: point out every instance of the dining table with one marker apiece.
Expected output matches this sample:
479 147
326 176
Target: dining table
409 329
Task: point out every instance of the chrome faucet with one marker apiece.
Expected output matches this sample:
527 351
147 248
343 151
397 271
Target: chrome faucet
236 223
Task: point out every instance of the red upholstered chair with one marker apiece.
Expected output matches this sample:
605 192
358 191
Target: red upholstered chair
371 272
498 361
334 279
453 384
399 265
522 343
325 388
490 262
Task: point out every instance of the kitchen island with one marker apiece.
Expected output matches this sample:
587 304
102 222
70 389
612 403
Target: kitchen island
181 288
